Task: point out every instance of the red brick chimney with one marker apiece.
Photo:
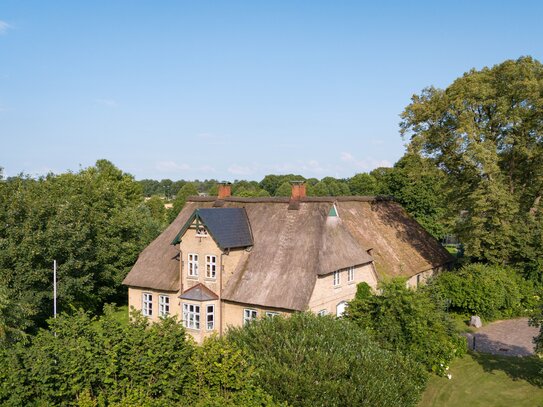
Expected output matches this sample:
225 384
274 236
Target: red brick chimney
225 190
297 190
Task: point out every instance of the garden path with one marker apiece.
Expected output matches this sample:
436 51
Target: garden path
512 337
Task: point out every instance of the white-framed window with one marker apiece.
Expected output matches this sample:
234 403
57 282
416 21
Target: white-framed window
210 317
249 315
322 312
191 316
271 314
211 266
340 309
147 304
336 278
350 275
193 265
163 305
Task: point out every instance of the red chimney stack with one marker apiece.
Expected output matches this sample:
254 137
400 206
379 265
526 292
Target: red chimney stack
297 190
225 190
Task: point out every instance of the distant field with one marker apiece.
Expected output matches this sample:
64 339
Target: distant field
487 380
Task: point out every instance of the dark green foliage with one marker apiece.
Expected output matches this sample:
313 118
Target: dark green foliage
223 375
102 356
418 186
306 360
14 319
484 133
155 204
88 361
92 222
363 184
189 189
408 321
272 182
491 292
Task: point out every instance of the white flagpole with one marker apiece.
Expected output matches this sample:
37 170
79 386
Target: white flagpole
55 288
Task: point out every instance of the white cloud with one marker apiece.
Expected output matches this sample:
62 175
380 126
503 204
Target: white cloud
171 166
365 164
107 102
239 170
4 27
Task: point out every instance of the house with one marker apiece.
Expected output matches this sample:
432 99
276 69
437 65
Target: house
225 261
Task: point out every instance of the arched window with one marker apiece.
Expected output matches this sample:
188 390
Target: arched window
340 308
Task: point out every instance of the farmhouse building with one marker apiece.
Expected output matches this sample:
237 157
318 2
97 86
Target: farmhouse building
225 261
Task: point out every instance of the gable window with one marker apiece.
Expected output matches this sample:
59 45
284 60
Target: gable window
249 315
191 316
201 231
271 314
210 317
336 278
193 265
350 275
147 304
163 305
211 266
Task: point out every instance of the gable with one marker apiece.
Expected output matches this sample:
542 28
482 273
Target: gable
229 227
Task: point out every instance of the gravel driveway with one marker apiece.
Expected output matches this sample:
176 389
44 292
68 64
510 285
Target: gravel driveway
511 337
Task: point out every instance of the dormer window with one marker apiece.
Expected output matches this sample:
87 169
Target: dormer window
201 231
333 211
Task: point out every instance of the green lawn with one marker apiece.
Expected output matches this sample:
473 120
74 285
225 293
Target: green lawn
487 380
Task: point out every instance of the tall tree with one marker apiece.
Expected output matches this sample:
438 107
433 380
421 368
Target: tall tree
485 132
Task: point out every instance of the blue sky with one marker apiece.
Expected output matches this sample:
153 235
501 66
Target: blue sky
234 90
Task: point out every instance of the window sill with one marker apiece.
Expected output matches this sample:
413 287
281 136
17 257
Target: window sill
337 286
195 278
210 279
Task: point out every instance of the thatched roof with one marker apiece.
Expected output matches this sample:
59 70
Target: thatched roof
292 247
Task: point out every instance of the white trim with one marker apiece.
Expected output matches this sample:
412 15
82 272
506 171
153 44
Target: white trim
322 312
163 305
211 266
336 278
191 316
249 315
350 274
147 304
192 265
272 314
210 324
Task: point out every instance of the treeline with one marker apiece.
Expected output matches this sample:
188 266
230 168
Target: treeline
93 222
413 181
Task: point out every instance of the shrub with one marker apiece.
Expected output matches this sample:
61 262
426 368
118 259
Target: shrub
408 321
307 360
489 291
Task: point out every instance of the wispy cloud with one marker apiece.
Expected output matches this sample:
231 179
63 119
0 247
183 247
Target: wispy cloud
4 27
365 164
173 167
240 170
107 102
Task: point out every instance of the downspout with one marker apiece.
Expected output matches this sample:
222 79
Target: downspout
221 270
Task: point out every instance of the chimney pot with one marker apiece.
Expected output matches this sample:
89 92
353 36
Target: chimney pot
297 190
225 190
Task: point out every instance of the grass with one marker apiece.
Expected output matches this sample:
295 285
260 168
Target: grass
488 380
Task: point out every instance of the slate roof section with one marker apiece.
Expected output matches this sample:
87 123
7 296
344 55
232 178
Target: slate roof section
199 293
229 227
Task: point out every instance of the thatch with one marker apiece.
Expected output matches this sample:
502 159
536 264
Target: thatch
292 247
157 266
400 246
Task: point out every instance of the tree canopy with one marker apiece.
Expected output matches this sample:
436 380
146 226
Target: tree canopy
484 131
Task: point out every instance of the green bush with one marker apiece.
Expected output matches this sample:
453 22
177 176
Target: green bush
79 357
307 360
489 291
408 321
